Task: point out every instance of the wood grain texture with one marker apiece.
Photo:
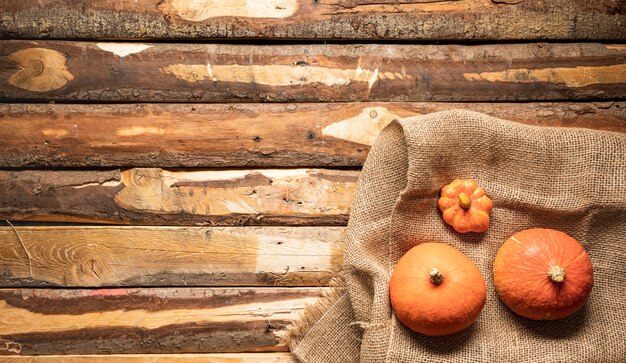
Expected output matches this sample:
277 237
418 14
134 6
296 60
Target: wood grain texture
146 321
180 197
166 72
92 256
157 358
239 135
318 19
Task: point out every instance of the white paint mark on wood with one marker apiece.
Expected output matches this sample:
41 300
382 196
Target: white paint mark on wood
139 131
123 49
271 75
55 132
581 76
111 183
363 128
209 71
200 10
373 78
172 177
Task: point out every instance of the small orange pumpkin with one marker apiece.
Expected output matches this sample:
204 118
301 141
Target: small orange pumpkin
542 274
465 206
436 290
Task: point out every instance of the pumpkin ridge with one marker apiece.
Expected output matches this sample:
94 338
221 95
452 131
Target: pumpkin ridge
536 258
581 255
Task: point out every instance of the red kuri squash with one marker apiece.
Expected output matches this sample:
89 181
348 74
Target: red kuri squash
542 274
436 290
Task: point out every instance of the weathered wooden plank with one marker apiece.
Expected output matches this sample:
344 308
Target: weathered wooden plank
123 72
176 320
179 197
252 135
92 256
315 19
157 358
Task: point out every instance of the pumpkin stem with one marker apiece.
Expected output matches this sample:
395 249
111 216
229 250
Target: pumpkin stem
436 277
464 201
556 273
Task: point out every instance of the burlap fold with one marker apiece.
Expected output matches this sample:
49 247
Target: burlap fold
573 180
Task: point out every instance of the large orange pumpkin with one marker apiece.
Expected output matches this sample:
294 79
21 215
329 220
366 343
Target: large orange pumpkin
465 206
436 290
543 274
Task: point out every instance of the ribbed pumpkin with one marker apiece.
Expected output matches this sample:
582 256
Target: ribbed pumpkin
542 274
436 290
465 206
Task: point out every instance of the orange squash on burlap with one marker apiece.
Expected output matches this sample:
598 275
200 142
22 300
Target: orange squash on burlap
543 274
465 206
436 290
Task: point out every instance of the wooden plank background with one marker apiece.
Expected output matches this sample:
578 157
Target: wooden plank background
199 197
458 20
147 320
166 72
110 256
240 135
158 358
179 174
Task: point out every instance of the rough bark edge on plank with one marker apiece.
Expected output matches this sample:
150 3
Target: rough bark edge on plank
230 320
301 19
180 197
167 72
239 135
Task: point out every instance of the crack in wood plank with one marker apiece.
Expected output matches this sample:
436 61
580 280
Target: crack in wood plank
30 260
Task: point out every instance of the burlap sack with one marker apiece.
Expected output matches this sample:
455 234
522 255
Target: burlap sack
573 180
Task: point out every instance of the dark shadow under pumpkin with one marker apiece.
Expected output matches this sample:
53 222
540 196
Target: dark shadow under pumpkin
443 344
553 329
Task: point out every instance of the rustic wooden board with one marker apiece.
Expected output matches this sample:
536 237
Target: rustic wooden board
179 197
175 320
315 19
227 135
94 256
126 72
157 358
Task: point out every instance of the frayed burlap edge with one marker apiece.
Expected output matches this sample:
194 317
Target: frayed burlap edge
314 312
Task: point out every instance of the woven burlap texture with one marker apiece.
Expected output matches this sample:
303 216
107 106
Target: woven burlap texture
573 180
